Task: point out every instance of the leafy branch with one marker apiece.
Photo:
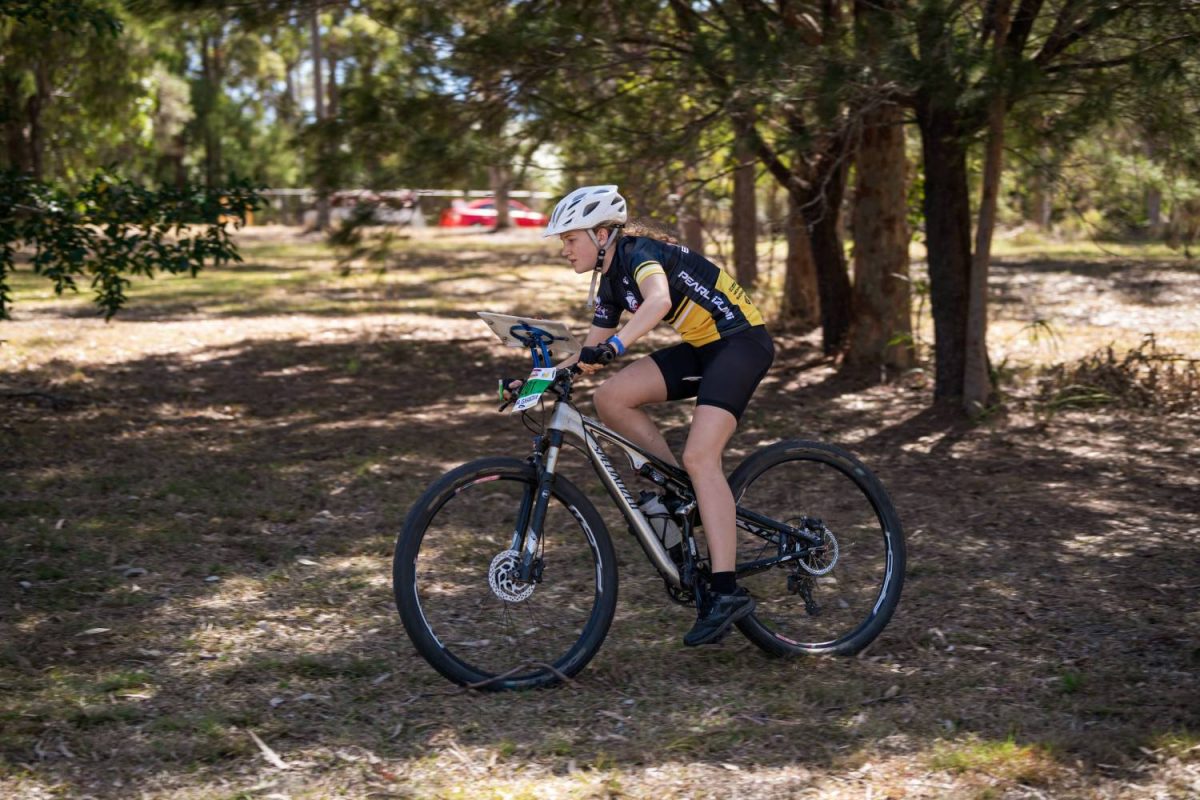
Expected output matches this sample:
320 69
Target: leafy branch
113 229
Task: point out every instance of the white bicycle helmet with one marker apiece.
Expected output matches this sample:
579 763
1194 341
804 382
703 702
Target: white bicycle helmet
585 209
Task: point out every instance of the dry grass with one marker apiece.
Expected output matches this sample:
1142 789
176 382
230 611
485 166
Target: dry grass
197 514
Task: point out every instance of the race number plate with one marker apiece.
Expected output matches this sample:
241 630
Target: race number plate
539 381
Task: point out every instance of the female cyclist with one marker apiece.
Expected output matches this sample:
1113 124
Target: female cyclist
724 354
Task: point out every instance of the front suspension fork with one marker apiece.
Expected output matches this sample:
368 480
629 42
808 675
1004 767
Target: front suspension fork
532 517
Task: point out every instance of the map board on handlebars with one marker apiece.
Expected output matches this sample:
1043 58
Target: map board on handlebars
547 342
511 331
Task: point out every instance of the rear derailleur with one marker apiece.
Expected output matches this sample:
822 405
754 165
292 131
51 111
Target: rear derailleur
802 584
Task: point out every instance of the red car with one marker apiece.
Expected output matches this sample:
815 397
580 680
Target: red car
483 212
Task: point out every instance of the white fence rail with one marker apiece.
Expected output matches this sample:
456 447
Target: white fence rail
415 207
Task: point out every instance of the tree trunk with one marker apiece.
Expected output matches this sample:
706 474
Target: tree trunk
745 215
1153 200
319 108
34 108
881 297
1038 206
801 302
821 209
691 221
947 209
817 187
13 118
977 379
210 69
1154 210
499 177
287 103
331 90
1043 204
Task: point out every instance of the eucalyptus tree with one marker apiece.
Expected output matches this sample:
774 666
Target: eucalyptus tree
881 330
965 67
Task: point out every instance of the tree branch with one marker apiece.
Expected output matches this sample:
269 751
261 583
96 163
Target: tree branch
1058 41
1073 66
788 179
1022 25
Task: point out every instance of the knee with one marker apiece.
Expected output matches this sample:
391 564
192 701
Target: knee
608 401
700 461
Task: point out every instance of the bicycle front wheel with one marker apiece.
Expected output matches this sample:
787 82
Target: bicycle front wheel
820 487
457 591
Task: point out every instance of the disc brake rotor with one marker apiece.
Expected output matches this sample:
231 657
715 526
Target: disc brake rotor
821 560
502 578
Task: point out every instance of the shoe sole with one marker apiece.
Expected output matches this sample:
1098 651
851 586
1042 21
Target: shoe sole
723 631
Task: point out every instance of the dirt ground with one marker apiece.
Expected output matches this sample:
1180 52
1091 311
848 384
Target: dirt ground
199 501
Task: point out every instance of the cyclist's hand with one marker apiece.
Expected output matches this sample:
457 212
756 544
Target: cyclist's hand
510 387
596 357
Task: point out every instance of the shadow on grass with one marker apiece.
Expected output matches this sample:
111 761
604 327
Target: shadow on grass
1047 600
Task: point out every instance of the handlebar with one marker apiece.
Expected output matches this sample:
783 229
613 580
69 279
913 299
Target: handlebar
562 378
601 354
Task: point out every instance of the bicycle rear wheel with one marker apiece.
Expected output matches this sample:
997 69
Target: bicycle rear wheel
842 611
455 587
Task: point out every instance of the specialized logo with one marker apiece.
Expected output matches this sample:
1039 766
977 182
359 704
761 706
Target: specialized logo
612 473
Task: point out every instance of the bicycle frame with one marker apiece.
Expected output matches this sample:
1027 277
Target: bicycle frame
567 421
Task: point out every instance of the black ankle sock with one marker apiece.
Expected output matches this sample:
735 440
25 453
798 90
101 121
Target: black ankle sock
724 582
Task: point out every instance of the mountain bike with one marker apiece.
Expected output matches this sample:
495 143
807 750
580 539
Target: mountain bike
505 575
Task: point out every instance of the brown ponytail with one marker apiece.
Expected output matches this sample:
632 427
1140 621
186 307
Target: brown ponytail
651 229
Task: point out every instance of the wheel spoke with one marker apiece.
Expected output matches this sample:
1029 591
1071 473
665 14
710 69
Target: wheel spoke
845 577
465 609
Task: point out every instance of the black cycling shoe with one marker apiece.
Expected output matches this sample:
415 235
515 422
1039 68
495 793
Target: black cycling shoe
715 621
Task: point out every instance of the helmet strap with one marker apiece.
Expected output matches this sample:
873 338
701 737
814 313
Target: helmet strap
613 233
591 303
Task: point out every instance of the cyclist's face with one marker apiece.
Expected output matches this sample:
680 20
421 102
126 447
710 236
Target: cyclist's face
578 248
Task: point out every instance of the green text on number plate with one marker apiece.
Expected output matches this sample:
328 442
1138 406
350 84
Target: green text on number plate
539 381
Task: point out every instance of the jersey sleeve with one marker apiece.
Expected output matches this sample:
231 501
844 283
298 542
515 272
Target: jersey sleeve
645 263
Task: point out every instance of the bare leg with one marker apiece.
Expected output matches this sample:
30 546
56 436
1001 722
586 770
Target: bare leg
618 402
710 432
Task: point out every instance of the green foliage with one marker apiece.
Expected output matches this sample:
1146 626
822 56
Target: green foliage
71 16
1070 682
114 229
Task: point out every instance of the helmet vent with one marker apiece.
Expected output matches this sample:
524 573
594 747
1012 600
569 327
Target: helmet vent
587 208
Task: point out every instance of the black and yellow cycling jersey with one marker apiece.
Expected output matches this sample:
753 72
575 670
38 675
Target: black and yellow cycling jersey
707 305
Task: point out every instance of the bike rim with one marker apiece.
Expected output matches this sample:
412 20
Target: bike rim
853 597
456 579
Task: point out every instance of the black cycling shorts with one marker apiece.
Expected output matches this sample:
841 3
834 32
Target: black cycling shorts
723 373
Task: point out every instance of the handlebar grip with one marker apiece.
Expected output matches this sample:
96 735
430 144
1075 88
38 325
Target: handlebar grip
600 354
